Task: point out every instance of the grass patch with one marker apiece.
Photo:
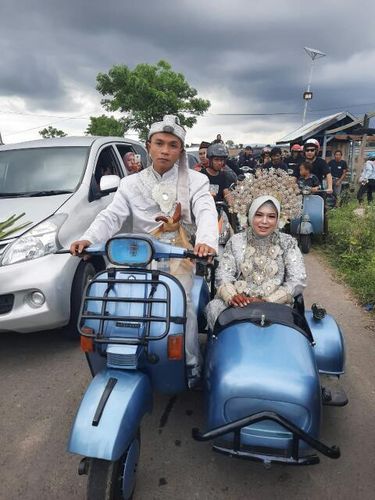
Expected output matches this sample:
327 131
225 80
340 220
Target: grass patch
350 247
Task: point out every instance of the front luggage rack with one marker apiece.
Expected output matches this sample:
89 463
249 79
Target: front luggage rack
104 316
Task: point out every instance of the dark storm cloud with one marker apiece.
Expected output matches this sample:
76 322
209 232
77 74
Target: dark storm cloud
253 50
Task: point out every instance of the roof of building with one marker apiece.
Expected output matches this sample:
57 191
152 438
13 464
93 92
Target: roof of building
316 127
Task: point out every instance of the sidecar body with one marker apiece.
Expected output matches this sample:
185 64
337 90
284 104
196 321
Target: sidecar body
262 383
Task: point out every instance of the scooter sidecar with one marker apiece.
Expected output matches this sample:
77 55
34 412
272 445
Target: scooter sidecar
263 393
312 220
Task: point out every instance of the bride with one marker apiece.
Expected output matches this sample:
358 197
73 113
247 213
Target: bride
261 263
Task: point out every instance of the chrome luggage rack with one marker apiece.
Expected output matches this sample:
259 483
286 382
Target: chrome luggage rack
104 316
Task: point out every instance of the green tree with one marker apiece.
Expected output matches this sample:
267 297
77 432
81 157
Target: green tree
51 132
106 125
148 92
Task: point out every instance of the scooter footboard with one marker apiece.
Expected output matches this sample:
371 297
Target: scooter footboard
110 414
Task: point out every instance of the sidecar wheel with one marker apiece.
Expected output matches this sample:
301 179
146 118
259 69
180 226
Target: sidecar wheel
305 242
85 271
114 480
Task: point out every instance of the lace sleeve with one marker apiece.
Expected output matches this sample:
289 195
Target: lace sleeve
227 270
295 273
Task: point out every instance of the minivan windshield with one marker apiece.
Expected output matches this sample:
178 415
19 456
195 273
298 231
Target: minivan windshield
41 171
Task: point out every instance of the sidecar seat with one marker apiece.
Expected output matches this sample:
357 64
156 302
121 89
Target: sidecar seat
265 313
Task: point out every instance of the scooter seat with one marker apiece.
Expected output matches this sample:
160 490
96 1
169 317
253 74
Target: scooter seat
264 314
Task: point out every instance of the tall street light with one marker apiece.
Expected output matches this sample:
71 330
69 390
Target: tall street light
308 95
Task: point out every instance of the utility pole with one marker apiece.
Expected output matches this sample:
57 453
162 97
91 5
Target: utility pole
1 140
308 95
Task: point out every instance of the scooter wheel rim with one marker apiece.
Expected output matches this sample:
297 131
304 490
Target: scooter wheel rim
130 469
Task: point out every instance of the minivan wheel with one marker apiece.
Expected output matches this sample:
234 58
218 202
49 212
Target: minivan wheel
84 273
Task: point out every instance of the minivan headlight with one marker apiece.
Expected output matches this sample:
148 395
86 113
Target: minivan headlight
38 242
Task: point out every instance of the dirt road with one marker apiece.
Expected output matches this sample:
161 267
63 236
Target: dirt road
42 378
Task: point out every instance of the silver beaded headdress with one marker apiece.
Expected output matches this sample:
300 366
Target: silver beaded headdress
274 182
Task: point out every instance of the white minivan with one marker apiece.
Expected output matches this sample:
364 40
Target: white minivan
57 186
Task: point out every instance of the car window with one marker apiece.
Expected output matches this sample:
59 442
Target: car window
37 169
106 164
122 150
142 151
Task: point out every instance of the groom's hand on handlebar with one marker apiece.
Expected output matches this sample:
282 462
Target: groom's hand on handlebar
77 248
203 250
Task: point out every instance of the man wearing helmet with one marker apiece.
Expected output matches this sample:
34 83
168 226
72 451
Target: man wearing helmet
294 160
219 180
319 166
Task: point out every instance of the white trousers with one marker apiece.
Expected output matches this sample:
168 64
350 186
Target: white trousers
183 270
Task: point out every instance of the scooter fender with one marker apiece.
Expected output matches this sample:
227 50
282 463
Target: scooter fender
305 227
110 414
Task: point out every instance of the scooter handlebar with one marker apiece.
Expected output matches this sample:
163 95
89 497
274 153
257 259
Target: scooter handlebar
189 254
98 249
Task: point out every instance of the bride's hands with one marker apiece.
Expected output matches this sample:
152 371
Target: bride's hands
241 300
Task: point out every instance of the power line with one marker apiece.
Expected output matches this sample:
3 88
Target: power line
41 126
39 116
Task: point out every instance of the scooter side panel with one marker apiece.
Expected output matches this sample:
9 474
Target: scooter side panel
127 403
330 348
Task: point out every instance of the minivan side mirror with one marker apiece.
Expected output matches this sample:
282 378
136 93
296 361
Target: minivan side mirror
109 184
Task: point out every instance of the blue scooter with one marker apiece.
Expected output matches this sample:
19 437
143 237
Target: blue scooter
313 220
262 388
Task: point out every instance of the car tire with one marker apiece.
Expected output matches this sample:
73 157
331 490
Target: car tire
84 273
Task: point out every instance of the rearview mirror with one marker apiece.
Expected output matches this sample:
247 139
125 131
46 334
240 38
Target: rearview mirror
129 251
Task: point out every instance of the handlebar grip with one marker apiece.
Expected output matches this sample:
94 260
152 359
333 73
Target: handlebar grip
189 254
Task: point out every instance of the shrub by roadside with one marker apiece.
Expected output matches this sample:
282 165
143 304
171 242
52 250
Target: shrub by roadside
350 247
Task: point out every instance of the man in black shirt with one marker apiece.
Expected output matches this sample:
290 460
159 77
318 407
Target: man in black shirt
276 160
247 160
319 166
220 181
339 169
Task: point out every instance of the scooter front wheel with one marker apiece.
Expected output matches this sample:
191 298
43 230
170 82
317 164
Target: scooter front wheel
114 480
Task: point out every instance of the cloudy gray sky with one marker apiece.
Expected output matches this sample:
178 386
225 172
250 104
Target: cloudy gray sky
245 56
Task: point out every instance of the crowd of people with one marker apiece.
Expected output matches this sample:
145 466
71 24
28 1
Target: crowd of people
303 163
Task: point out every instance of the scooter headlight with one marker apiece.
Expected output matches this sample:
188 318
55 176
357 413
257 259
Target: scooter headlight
38 242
